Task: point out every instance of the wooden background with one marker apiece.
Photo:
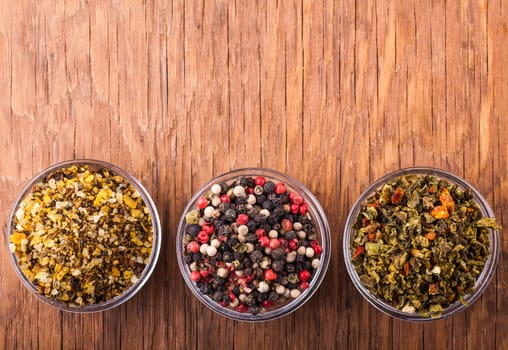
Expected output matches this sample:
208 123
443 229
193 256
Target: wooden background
335 94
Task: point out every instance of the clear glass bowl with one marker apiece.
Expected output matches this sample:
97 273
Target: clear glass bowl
93 165
481 282
321 227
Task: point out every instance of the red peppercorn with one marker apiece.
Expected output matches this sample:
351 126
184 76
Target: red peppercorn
294 208
304 285
204 273
193 247
260 233
264 241
286 225
202 202
195 276
270 275
266 303
283 242
241 308
208 228
303 209
250 190
225 198
274 243
232 296
316 246
280 188
202 237
304 275
259 180
297 198
293 244
242 219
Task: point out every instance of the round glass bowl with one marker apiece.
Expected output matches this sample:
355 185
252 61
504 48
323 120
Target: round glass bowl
409 314
84 235
233 302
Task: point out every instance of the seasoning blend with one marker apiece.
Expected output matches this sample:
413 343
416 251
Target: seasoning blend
253 244
421 244
84 235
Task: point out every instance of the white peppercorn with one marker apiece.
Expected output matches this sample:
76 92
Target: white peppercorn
263 287
295 293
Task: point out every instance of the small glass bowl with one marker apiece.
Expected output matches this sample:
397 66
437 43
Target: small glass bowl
322 232
481 282
93 165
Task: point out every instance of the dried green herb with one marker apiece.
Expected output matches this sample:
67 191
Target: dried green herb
419 243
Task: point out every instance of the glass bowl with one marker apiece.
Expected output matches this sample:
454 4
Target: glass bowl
434 274
84 235
231 289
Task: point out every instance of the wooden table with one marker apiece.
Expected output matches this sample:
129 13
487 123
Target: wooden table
335 94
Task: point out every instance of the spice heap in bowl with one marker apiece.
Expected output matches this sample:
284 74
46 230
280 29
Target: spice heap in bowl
421 244
253 244
84 235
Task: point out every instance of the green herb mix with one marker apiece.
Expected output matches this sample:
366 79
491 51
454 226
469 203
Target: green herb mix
419 243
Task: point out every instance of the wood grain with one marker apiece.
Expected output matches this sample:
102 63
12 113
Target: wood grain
334 93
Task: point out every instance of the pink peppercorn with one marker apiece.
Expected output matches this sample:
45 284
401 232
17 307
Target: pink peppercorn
316 246
242 219
264 241
304 285
304 275
202 237
303 209
202 202
225 198
260 233
195 276
273 244
280 188
270 275
296 198
294 208
259 180
208 228
193 247
286 225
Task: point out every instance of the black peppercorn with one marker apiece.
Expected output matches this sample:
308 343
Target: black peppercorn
290 235
278 253
269 187
263 296
273 296
250 300
278 265
290 268
267 205
260 199
256 256
193 230
254 310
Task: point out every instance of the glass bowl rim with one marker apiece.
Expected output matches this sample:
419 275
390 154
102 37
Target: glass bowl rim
156 228
482 281
322 226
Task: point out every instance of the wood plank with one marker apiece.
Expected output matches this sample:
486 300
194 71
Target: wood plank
335 94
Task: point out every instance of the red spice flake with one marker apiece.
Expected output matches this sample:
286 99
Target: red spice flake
397 196
359 251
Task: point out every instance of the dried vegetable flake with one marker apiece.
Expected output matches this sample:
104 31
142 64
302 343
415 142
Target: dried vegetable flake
82 236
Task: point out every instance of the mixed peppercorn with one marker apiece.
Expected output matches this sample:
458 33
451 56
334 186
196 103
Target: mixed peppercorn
419 243
251 244
82 236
